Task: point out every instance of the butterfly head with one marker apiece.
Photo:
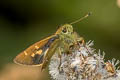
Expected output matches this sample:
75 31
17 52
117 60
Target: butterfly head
66 29
66 33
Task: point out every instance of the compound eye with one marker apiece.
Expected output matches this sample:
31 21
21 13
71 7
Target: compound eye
64 30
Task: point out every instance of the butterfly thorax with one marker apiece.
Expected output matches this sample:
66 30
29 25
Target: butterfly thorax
66 36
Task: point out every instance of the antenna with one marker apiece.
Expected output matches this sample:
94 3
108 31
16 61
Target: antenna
78 20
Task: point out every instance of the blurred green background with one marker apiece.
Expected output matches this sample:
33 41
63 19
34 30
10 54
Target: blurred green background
23 22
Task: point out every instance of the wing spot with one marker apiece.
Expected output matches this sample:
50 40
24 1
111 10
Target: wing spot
25 53
39 52
36 47
33 55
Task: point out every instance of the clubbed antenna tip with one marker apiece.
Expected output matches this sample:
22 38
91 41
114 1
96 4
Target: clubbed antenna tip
89 13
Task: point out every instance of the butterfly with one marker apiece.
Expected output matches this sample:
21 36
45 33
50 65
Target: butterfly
40 53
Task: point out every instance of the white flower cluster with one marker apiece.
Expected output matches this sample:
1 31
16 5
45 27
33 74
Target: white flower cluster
83 64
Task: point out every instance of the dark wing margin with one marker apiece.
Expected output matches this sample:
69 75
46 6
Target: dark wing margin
38 58
34 55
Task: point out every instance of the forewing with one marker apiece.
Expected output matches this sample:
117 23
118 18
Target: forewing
34 54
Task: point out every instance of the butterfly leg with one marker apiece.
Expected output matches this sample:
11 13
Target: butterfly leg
81 42
59 55
44 64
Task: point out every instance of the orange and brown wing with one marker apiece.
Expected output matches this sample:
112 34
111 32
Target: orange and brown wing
34 54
